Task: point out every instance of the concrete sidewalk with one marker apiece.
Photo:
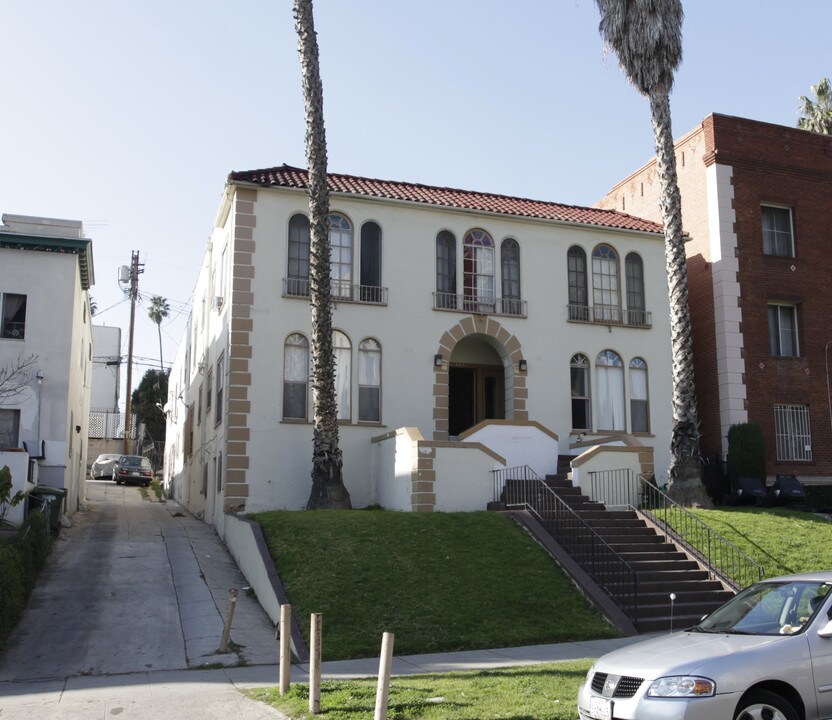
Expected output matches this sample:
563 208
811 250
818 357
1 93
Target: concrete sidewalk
218 694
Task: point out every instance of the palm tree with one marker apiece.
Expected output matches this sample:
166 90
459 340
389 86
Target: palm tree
817 115
328 489
646 35
158 311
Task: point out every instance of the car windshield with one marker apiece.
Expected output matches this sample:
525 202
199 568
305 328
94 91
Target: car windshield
107 458
768 608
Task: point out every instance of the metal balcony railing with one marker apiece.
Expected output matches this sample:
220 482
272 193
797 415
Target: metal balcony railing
609 315
521 486
342 291
479 305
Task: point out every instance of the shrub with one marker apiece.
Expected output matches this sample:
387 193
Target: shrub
746 452
21 559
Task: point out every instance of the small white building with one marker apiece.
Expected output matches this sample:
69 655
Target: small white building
472 332
46 270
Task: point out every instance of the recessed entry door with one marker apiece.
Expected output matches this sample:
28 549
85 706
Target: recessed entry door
475 393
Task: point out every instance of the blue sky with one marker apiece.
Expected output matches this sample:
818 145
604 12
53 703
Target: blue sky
129 115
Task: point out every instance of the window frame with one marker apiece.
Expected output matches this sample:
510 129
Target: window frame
366 352
580 363
220 389
605 369
634 282
370 267
606 284
775 334
297 250
639 365
510 281
7 317
770 234
479 271
340 255
296 382
343 375
446 272
578 283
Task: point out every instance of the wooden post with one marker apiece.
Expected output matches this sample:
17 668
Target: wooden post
285 656
315 664
385 665
226 631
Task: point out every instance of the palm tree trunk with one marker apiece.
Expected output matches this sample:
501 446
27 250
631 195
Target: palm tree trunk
161 361
328 490
685 477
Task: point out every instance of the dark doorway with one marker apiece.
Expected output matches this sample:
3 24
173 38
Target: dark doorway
474 394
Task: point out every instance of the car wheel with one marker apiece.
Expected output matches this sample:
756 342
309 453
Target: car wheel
147 484
764 705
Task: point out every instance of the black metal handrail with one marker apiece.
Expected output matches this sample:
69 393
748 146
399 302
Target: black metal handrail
722 558
719 556
480 304
522 486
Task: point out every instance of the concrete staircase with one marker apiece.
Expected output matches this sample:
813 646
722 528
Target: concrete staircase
660 566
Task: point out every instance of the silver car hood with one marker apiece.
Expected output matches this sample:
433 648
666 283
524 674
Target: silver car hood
685 653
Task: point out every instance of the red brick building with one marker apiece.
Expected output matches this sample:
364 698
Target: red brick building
757 205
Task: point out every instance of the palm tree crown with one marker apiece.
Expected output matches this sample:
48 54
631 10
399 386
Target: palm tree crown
816 115
159 309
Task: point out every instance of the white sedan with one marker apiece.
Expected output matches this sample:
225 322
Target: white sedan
764 655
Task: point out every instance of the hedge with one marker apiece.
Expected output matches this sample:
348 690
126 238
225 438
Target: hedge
21 559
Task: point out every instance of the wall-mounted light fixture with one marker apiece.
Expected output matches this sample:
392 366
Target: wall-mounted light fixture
78 428
523 365
39 376
200 368
437 360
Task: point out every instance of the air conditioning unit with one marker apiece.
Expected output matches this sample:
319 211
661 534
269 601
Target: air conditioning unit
218 303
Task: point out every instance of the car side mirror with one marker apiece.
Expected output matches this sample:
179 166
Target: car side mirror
825 630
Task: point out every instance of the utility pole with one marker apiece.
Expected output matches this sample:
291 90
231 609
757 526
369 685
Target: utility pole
135 269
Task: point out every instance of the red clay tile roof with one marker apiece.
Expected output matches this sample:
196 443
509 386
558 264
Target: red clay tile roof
291 177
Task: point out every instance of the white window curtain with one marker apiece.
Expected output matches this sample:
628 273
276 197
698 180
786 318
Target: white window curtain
295 376
342 351
485 273
610 391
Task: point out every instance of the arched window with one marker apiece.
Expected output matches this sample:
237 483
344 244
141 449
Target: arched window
634 270
478 275
639 401
369 381
510 267
340 240
370 279
445 270
342 350
295 376
297 277
578 297
605 295
609 391
579 376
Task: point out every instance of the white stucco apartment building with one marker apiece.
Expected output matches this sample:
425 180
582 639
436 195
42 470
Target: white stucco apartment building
472 331
46 270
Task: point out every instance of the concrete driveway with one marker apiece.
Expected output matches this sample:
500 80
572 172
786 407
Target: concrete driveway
128 614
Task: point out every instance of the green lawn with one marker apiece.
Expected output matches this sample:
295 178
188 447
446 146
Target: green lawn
439 581
783 541
438 560
536 692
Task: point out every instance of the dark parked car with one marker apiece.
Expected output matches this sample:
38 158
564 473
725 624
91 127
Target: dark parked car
104 466
133 469
749 490
786 489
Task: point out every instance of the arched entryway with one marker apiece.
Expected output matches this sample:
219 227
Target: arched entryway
479 377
